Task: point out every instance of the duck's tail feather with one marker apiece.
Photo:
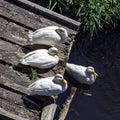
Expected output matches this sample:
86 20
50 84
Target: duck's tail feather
22 61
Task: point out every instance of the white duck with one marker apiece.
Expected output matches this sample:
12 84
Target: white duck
49 86
41 58
50 35
86 75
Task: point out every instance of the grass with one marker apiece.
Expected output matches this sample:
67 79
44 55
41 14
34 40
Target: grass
33 74
93 14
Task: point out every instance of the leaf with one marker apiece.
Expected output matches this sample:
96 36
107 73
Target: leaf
87 94
33 74
54 6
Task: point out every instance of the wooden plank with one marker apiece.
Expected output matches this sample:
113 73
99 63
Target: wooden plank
13 32
10 115
60 18
32 19
11 97
11 53
48 111
64 111
15 105
15 14
12 80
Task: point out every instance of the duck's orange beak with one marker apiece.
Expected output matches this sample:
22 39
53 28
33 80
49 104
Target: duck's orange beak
64 82
58 54
95 74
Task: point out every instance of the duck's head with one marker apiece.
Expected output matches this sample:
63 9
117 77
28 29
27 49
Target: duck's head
91 70
53 51
62 32
60 79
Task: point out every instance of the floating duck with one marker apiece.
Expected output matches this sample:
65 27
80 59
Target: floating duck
41 58
86 75
50 35
49 86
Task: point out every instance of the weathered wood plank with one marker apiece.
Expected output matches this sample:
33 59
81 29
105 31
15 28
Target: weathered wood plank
10 53
9 115
13 32
14 104
15 13
11 97
32 19
64 111
19 101
12 80
48 111
46 12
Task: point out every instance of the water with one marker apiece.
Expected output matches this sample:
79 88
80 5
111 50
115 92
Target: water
104 104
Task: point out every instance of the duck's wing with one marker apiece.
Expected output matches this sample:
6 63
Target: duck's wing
30 55
71 68
40 83
40 32
44 87
46 35
33 53
77 71
42 61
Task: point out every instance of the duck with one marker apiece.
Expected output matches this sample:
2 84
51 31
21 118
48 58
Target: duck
50 35
84 75
41 58
49 86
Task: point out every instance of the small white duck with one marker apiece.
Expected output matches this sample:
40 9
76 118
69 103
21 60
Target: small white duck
41 58
86 75
50 35
49 86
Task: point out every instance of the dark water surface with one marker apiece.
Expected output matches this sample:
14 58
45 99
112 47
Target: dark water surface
104 104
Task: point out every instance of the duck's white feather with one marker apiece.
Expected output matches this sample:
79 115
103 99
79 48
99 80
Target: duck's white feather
45 36
46 86
40 59
79 73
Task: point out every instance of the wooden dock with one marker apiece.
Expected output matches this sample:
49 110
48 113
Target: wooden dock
17 17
